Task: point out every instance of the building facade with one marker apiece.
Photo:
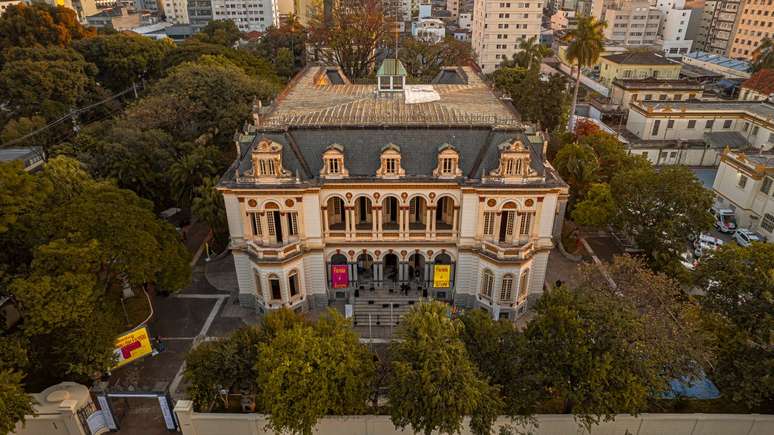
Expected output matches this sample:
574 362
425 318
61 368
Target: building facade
624 91
679 26
632 23
745 184
345 188
754 23
499 26
759 87
717 26
248 15
199 13
176 11
635 65
728 68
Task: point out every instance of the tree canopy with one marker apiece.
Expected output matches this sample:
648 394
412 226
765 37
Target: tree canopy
423 59
39 24
539 99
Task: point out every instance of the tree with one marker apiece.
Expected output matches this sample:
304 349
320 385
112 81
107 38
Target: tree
220 32
434 384
423 59
597 208
15 404
284 63
307 372
349 36
17 129
257 67
531 52
659 209
612 155
39 24
124 58
21 193
208 206
228 364
190 171
587 352
763 56
738 299
291 36
542 101
586 44
44 81
578 166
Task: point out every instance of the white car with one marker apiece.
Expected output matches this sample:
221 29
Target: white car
746 237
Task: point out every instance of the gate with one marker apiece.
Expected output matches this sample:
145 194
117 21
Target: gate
112 419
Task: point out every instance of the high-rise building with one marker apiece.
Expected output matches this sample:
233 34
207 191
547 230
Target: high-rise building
176 11
453 6
499 26
717 26
199 13
248 15
679 26
632 23
755 23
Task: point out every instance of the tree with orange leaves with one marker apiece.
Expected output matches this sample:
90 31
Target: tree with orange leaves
40 25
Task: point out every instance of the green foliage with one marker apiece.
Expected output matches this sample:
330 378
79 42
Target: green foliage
659 209
578 166
763 56
15 129
20 193
738 283
277 42
611 155
14 402
586 45
597 209
423 59
227 364
531 52
39 25
543 101
219 32
283 63
434 384
191 51
124 58
307 372
208 206
44 81
191 171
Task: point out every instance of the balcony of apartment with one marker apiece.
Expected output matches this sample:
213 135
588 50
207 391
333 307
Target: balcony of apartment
509 236
389 220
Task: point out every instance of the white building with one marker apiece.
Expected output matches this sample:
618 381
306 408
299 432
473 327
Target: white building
248 15
428 29
453 6
679 26
465 21
355 192
499 26
729 68
563 20
632 23
176 11
745 184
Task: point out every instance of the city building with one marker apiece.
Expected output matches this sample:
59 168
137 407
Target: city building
728 68
465 21
636 65
759 87
344 192
564 20
754 23
499 26
739 124
120 19
31 158
679 26
176 11
5 4
625 91
146 5
453 6
428 29
462 35
199 13
248 15
632 23
745 184
716 31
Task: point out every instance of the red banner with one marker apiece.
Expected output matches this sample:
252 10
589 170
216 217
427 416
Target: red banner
340 276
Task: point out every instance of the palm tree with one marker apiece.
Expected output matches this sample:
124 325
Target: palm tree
763 56
530 52
586 44
208 205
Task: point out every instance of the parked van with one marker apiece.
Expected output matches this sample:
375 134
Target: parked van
725 219
705 243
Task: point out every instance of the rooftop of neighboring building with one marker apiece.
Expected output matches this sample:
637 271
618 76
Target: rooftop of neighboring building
761 82
656 84
762 110
760 161
640 58
719 60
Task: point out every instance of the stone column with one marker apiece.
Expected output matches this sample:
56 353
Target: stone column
183 411
284 227
432 223
380 223
324 210
375 274
428 222
455 220
496 234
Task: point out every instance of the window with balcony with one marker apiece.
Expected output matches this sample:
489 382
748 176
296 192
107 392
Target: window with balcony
525 222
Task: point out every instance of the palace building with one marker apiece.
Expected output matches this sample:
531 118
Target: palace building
344 190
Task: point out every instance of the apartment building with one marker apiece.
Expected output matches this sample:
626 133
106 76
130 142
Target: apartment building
637 65
199 13
395 192
625 91
716 33
248 15
679 26
499 26
754 24
745 184
176 11
632 23
453 6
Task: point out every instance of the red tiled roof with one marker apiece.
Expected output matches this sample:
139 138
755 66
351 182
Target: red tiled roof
762 81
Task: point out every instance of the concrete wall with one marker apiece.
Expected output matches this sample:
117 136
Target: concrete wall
646 424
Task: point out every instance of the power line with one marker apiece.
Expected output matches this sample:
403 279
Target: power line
72 114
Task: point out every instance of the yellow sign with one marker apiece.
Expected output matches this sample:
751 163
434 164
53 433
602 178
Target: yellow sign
60 3
441 274
131 346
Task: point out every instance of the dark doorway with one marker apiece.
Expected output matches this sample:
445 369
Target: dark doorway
506 225
391 267
277 225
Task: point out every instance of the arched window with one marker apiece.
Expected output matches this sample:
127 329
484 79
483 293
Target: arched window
523 284
487 282
293 287
506 289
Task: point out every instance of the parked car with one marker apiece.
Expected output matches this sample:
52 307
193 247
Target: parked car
705 243
725 219
745 237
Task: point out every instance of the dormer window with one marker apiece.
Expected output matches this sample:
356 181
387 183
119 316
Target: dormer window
514 162
333 162
448 162
512 167
390 162
267 160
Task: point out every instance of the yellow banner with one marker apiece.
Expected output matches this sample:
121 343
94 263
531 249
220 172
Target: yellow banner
441 274
131 346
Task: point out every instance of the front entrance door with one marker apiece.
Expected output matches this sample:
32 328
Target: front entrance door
506 225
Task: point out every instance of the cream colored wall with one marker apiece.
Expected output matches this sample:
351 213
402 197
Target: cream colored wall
644 424
610 71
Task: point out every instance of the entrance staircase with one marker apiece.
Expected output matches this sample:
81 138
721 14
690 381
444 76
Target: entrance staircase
382 308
